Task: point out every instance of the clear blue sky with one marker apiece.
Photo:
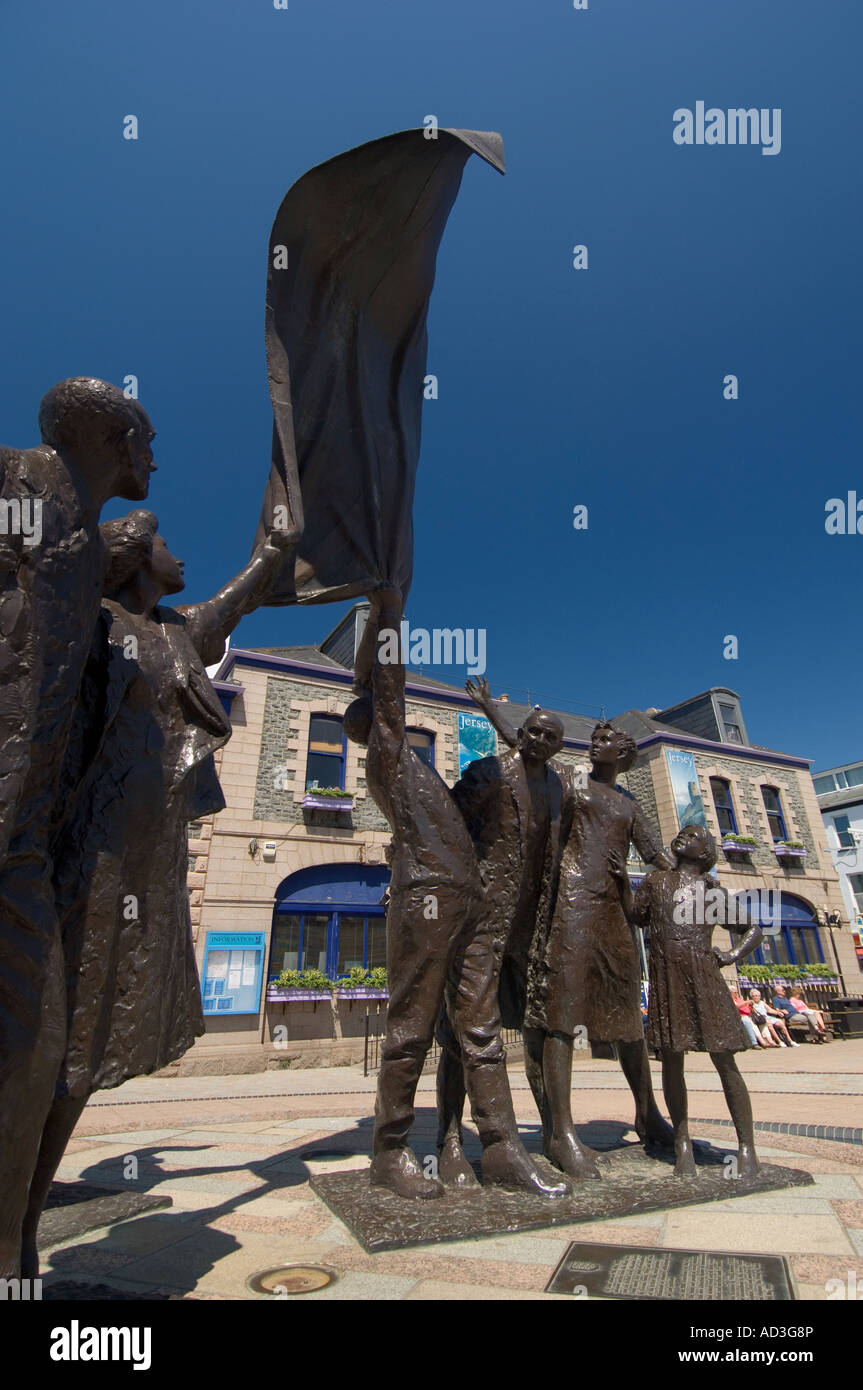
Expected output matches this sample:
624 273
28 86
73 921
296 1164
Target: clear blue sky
557 387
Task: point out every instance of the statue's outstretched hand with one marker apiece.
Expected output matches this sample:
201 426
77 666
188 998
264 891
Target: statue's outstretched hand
479 691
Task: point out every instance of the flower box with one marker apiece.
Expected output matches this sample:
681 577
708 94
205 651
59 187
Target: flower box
277 995
790 851
312 802
364 992
803 983
737 846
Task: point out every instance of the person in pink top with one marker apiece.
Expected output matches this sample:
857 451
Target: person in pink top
799 1003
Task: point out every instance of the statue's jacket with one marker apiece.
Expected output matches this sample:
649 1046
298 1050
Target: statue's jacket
517 892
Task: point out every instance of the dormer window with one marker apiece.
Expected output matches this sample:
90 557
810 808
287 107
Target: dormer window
732 732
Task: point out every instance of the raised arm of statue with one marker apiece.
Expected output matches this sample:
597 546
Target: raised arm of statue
209 624
387 672
480 693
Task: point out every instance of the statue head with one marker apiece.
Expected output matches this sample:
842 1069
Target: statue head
357 720
612 746
135 547
541 735
106 433
696 843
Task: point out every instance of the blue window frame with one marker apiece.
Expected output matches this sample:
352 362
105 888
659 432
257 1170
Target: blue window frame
325 764
318 938
775 816
724 806
798 940
790 946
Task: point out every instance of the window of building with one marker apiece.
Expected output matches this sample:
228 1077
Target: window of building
842 826
796 940
299 942
724 806
325 766
332 918
856 882
332 942
775 817
423 745
823 785
731 723
854 776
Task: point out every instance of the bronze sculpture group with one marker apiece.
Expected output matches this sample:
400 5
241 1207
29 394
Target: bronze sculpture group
509 901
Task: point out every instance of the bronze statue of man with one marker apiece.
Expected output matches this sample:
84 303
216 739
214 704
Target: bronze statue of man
583 972
435 909
95 445
511 804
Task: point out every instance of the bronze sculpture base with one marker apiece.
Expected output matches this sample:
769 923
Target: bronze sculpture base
74 1208
632 1182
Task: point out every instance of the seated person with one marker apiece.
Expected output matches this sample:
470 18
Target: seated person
799 1003
783 1004
745 1011
775 1025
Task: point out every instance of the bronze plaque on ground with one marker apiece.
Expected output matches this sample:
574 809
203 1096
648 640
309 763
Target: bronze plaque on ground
642 1271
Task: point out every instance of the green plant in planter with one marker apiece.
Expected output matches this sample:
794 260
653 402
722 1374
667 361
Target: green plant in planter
756 972
331 793
378 977
743 840
358 978
820 970
316 979
304 979
289 979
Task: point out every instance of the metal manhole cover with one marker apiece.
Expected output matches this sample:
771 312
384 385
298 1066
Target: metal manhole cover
291 1279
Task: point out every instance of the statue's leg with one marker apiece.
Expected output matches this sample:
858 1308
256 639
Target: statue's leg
62 1119
419 951
564 1148
674 1088
534 1043
740 1106
33 1030
649 1124
475 1015
453 1167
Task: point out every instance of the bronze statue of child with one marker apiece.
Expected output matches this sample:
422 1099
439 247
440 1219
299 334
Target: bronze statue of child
690 1008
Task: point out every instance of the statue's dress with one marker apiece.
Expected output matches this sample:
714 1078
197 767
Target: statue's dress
140 767
690 1007
584 969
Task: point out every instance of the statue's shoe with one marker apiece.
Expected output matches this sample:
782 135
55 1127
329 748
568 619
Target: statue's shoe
399 1170
509 1165
454 1169
572 1158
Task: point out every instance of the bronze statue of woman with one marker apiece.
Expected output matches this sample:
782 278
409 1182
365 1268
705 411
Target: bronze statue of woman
140 767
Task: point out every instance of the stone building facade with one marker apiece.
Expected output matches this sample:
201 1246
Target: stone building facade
285 876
